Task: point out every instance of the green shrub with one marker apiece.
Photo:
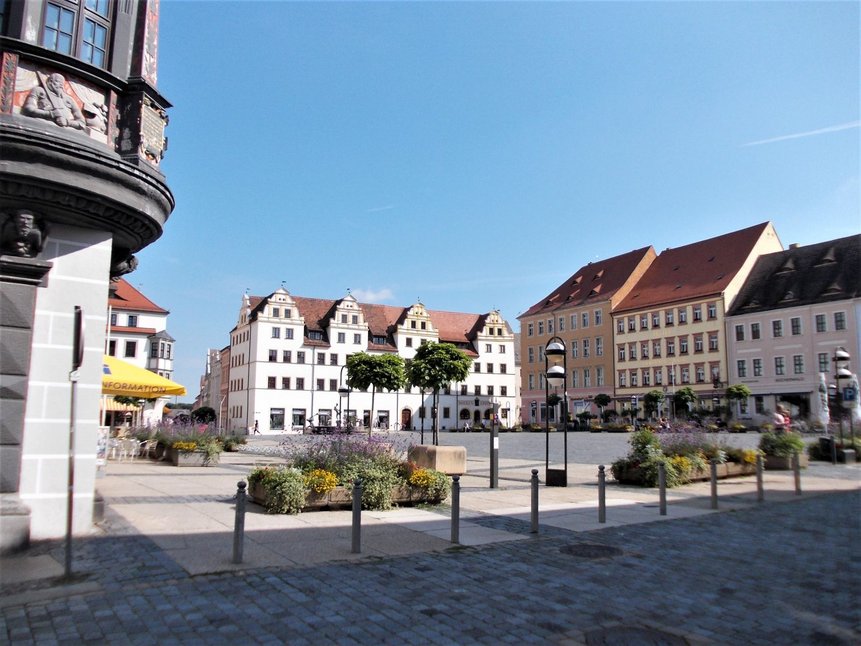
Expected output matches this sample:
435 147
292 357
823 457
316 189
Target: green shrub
230 442
643 444
782 445
377 483
434 484
284 486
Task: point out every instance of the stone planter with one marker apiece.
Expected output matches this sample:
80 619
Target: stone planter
190 458
775 463
725 470
339 497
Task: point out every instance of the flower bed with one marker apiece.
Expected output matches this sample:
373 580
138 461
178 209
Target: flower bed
193 458
321 476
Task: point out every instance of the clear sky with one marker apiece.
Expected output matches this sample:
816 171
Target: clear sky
474 155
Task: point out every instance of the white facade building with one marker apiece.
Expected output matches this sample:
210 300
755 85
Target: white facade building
288 360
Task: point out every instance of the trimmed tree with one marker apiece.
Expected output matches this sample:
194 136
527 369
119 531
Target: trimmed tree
738 393
683 397
204 414
652 400
383 371
602 400
434 366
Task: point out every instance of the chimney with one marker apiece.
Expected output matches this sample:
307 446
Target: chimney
794 245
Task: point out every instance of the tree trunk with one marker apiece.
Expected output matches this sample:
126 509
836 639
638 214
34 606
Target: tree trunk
371 420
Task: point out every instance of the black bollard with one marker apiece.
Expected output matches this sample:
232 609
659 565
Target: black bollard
662 488
455 509
796 467
534 515
239 523
357 516
602 495
714 484
760 491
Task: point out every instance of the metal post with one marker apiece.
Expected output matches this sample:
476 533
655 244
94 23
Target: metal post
662 488
494 454
534 514
239 522
455 509
602 495
714 484
357 516
796 467
760 492
833 449
73 377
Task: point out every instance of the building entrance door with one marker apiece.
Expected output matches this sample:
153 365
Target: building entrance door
406 417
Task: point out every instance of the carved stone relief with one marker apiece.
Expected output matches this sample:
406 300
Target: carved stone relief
22 234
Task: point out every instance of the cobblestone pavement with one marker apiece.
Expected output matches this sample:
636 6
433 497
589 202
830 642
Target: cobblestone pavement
781 573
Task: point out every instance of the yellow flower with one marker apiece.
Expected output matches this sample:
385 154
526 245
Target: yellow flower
320 481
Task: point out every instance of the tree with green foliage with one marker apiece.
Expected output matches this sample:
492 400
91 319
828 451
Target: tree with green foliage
383 371
652 401
602 400
738 393
204 414
434 366
683 397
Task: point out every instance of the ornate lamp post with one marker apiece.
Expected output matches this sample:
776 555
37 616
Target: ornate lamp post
841 371
555 348
343 390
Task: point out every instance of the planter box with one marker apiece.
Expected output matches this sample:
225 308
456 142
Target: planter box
190 458
339 497
450 460
775 463
725 470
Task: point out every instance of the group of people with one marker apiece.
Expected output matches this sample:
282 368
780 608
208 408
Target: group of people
781 419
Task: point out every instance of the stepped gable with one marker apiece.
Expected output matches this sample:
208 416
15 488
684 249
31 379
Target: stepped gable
596 281
697 270
126 297
816 273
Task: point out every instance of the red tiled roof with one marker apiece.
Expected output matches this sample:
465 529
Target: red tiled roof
127 297
697 270
597 281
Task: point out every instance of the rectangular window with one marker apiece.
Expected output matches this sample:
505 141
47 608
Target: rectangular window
585 348
621 352
686 375
503 391
315 335
270 383
288 333
299 416
112 348
671 347
489 367
575 349
446 412
273 355
300 383
668 317
712 311
633 378
584 319
333 384
530 330
713 342
622 378
798 364
321 359
477 390
644 350
587 378
698 343
561 324
659 376
632 352
683 345
501 349
795 325
777 329
540 327
656 319
503 368
321 384
698 312
287 356
342 337
701 374
531 353
354 319
599 346
300 357
333 359
463 388
285 383
131 349
357 339
276 333
133 320
574 379
488 347
490 391
620 325
754 331
344 319
632 324
549 326
656 349
757 367
276 419
599 376
476 367
598 318
739 332
683 315
839 320
573 321
644 322
820 323
823 360
779 366
647 377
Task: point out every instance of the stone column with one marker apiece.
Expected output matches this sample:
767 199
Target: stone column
19 279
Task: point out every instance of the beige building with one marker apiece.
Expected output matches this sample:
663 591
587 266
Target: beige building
669 330
579 312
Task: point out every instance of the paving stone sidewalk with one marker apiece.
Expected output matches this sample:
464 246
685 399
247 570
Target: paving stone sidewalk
782 573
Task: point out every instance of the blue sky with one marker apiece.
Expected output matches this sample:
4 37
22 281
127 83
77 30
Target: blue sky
474 155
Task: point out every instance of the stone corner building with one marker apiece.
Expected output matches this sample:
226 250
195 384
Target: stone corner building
81 141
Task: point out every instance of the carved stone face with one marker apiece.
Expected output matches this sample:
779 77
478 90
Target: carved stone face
55 83
24 222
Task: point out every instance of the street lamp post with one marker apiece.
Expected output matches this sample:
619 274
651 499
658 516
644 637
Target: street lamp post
344 389
555 348
841 371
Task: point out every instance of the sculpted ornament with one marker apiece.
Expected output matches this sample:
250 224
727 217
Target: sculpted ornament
122 262
49 100
21 235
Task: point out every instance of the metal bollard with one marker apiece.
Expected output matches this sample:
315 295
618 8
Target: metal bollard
239 523
455 509
534 518
760 491
662 488
714 484
602 495
796 467
357 516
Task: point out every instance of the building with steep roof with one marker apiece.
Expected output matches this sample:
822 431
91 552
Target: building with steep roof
578 312
669 330
288 357
796 308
